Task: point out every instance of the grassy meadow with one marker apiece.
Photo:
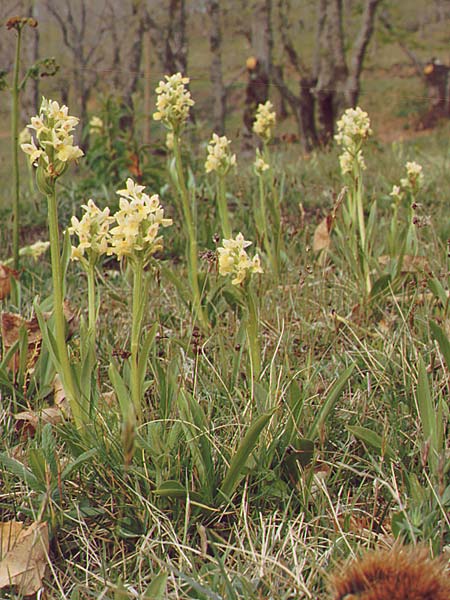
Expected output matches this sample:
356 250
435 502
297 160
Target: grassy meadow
209 429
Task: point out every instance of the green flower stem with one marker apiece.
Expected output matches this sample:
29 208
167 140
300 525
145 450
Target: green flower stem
192 237
263 223
411 233
252 331
92 309
355 223
136 327
15 148
58 311
363 237
274 207
223 208
393 238
263 212
359 193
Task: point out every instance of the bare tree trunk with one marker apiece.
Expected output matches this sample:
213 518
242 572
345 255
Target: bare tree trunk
332 68
262 35
147 91
116 47
302 105
176 40
259 66
134 63
34 83
338 85
215 44
352 86
77 32
417 64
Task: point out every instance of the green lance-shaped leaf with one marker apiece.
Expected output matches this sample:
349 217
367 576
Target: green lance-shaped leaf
438 290
330 401
144 352
372 439
82 458
242 454
443 341
18 469
157 588
428 415
196 427
47 336
120 388
174 489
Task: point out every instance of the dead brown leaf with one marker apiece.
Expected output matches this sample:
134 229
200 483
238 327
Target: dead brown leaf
5 280
71 318
410 264
50 414
29 419
23 557
322 240
10 326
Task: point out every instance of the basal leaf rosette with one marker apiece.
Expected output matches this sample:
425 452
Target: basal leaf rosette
53 147
139 218
173 102
235 262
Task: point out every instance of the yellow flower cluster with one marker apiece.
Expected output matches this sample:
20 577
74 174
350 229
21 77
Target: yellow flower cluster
347 160
265 120
55 146
95 126
92 232
138 221
219 157
234 260
353 128
173 101
414 177
260 164
35 250
25 136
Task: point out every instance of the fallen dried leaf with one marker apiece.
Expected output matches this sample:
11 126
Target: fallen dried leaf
5 280
30 419
322 240
410 264
23 556
10 326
